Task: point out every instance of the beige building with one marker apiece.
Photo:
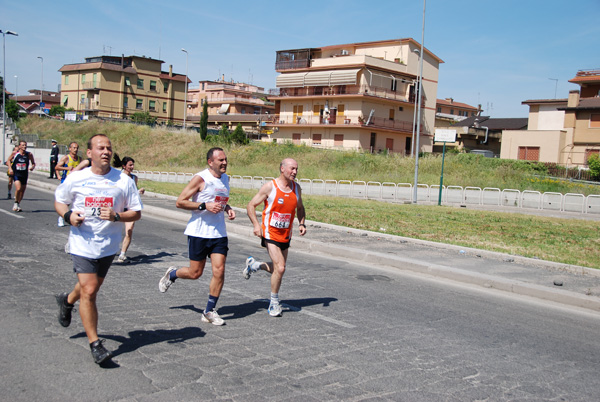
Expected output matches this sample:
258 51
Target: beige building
117 87
355 96
563 131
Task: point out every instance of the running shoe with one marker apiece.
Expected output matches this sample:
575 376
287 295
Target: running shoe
248 270
123 259
212 317
165 281
275 310
19 208
9 196
99 352
64 309
15 207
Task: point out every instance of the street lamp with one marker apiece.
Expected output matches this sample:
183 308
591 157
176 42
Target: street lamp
17 89
42 87
4 33
417 90
417 135
186 85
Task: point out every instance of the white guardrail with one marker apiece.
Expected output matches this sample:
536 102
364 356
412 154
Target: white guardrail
401 192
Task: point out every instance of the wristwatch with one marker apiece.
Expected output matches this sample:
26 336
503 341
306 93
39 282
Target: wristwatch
202 206
117 217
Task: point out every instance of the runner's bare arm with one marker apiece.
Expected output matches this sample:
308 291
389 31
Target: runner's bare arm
260 197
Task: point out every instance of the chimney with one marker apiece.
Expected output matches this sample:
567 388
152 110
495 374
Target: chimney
450 100
223 78
170 70
573 98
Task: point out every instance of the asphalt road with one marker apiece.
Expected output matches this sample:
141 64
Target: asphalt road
350 331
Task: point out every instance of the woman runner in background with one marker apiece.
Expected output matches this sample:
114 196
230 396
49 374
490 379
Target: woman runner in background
127 164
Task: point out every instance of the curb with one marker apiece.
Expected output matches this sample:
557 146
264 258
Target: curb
409 264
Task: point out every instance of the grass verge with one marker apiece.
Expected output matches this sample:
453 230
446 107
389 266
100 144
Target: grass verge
569 241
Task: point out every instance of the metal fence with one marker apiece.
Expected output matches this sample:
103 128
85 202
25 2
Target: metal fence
403 192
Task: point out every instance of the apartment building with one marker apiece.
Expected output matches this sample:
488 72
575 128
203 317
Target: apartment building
563 131
449 110
117 87
355 96
228 97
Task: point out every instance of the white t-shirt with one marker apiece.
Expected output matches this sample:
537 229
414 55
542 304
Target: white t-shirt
87 192
206 224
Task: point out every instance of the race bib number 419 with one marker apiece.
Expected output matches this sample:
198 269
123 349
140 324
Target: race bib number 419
93 205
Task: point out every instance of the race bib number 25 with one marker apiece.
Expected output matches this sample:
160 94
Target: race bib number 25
94 204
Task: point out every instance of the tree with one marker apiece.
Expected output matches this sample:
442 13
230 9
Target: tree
12 109
224 131
143 118
594 164
204 121
57 110
239 136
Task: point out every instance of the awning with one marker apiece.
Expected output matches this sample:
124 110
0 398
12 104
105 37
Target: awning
290 80
224 108
318 78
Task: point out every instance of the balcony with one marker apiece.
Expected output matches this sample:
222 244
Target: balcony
375 122
90 85
362 90
89 104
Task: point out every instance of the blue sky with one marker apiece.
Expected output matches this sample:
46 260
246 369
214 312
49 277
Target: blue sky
495 53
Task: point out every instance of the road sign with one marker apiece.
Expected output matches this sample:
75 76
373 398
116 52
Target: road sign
444 135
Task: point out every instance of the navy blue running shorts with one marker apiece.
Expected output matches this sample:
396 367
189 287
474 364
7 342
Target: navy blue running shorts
200 248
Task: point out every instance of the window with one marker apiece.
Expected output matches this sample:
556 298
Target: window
529 153
394 85
164 106
595 121
153 86
316 140
296 138
341 110
125 102
316 110
243 110
82 99
439 110
451 111
389 144
83 78
65 100
127 81
139 104
140 83
203 86
95 79
152 105
338 140
166 86
66 80
391 114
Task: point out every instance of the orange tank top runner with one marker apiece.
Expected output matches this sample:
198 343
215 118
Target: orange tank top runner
279 213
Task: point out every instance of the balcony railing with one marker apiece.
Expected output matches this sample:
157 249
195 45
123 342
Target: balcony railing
90 85
347 90
89 104
375 122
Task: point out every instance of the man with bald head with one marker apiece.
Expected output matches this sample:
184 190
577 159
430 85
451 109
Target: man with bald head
282 198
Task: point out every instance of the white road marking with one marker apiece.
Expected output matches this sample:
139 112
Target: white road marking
293 308
12 213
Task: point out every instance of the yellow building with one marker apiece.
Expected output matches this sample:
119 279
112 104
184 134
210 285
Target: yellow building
117 87
355 96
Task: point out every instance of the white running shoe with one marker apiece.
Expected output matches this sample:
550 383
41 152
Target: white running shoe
123 259
212 317
275 310
248 270
166 281
15 207
19 208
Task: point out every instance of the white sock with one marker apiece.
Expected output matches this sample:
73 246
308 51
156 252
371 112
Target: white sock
122 255
274 298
